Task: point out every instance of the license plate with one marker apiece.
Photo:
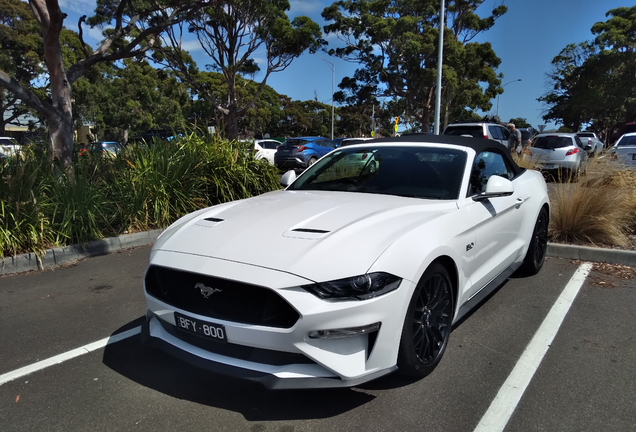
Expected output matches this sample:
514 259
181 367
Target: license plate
202 328
550 166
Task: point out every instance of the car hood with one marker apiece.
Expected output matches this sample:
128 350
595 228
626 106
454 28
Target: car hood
313 234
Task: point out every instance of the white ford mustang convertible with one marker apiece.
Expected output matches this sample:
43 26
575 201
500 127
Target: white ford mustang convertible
358 268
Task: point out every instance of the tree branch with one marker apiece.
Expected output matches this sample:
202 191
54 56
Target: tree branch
28 97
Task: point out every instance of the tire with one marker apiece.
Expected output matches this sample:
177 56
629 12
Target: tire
312 160
427 324
535 256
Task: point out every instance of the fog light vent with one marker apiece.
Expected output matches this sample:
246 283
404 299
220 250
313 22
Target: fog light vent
345 332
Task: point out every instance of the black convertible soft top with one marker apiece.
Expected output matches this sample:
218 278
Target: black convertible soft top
477 144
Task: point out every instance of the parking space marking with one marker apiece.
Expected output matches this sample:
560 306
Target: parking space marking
60 358
502 407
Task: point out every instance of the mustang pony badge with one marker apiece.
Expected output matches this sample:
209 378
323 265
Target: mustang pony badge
206 291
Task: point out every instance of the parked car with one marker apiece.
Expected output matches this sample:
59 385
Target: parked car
590 138
346 275
493 131
560 152
526 136
9 148
265 149
302 152
103 148
350 141
624 150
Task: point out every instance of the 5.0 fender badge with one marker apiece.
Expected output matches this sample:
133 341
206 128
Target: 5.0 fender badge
206 291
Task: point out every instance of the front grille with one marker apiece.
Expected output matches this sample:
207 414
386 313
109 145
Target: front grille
226 300
257 355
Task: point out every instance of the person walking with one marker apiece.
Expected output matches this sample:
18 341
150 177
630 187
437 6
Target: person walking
514 140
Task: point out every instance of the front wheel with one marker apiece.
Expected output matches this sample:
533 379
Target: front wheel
427 325
535 256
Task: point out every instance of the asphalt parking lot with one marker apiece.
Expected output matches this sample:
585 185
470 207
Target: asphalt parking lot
585 382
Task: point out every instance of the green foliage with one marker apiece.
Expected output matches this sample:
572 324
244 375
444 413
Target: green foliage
231 34
146 186
520 122
592 82
396 45
21 51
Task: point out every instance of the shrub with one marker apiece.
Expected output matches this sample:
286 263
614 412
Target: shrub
600 210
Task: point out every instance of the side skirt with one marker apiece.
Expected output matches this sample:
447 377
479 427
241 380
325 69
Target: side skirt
485 292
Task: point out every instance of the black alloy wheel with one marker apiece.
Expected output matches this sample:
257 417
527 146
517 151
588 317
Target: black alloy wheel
535 256
427 325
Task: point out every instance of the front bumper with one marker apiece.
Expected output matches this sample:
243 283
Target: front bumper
286 357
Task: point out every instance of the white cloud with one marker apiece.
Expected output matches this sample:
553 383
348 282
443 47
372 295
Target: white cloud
191 45
304 7
84 7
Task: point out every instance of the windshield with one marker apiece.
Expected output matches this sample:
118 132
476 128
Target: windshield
627 141
416 172
296 142
553 142
474 131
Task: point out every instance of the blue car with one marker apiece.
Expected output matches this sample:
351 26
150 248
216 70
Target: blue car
302 152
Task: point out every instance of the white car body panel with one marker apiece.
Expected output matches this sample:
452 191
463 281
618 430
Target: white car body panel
318 236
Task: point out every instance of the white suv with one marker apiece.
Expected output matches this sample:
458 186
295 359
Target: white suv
493 131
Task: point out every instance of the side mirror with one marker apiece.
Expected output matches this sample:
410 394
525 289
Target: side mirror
497 186
288 178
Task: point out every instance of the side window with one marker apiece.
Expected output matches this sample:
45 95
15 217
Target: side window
271 145
505 133
495 132
487 164
578 141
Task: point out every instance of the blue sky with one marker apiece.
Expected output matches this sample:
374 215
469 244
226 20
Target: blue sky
526 39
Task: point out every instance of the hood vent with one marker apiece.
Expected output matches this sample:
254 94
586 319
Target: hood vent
306 233
209 222
213 219
309 230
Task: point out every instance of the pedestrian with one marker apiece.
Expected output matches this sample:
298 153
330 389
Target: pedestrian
514 140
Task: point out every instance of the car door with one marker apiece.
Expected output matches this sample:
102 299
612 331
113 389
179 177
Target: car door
269 149
324 146
495 222
495 133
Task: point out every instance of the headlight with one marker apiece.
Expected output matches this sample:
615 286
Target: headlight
358 287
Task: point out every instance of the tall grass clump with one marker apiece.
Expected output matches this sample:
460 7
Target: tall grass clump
600 210
159 182
24 224
146 186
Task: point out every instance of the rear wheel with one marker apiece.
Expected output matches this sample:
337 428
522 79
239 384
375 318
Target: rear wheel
535 256
312 160
427 325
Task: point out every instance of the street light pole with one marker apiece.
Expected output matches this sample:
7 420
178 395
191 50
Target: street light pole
333 81
440 58
500 93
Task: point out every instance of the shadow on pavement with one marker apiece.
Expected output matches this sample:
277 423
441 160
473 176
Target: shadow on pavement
154 369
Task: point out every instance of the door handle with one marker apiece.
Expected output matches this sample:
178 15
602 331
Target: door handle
519 202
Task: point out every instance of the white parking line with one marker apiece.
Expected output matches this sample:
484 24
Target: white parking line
26 370
502 407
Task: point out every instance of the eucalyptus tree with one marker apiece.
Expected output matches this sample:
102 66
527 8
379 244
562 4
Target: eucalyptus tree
592 82
136 26
232 34
395 42
21 52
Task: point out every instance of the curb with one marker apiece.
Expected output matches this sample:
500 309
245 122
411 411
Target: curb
588 253
55 257
65 255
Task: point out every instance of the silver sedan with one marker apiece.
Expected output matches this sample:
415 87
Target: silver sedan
624 150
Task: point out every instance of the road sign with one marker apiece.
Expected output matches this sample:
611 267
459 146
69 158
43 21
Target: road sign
395 127
541 128
372 134
397 119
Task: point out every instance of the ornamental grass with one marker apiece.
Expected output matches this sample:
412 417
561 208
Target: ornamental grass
144 187
598 210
